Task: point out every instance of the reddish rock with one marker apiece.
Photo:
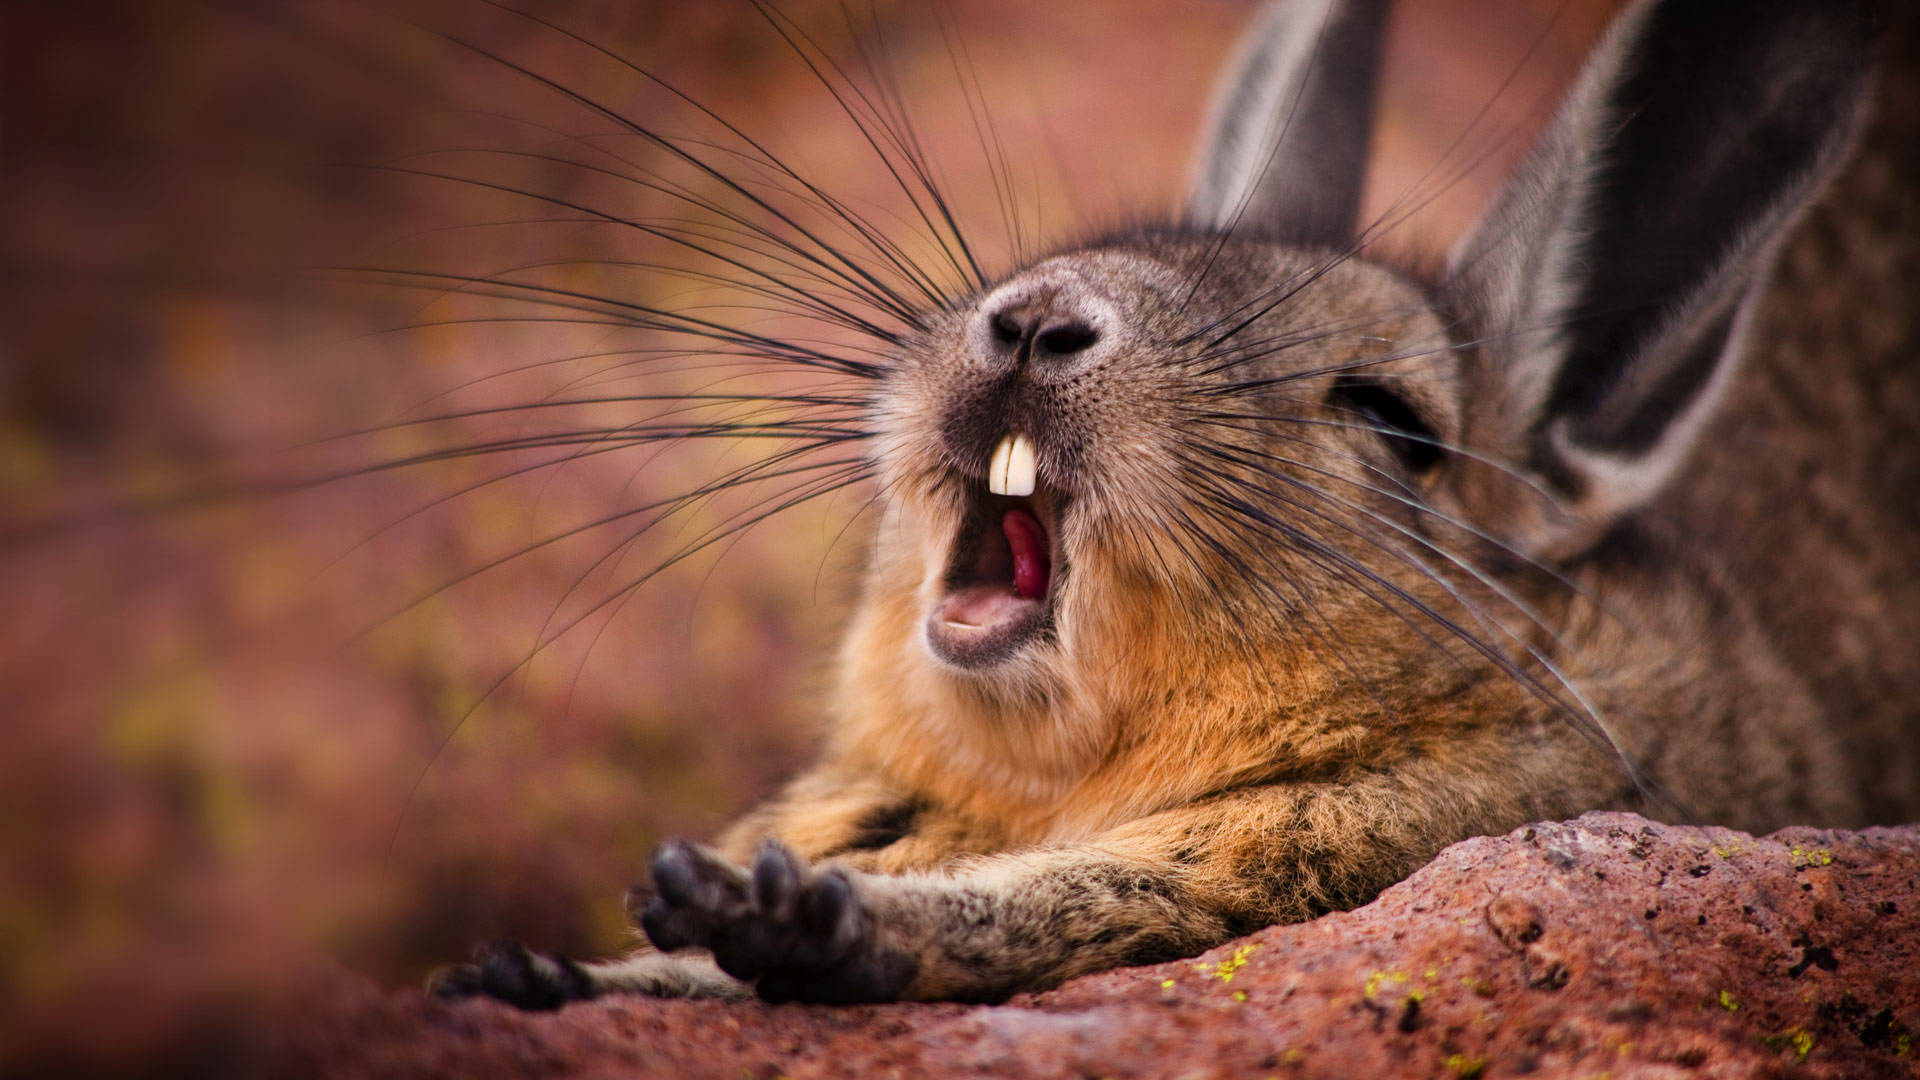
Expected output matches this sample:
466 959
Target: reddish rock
1606 945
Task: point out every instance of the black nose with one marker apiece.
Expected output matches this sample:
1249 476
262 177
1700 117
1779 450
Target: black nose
1041 328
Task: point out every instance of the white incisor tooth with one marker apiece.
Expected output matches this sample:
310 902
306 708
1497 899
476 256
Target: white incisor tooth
1012 470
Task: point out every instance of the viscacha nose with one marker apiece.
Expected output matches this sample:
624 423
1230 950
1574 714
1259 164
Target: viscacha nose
1042 326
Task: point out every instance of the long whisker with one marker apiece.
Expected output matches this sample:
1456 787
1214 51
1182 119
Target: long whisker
637 316
831 258
873 238
554 634
1244 422
1583 716
900 135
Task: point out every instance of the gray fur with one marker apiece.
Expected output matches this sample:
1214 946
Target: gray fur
1677 577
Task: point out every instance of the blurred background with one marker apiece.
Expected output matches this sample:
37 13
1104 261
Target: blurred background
328 632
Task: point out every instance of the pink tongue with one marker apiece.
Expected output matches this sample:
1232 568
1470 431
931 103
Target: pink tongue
1031 561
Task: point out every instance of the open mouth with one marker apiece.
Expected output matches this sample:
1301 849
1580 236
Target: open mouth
1001 578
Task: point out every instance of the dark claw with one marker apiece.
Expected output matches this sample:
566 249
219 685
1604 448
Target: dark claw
674 874
830 902
776 879
456 981
636 898
832 922
511 972
667 932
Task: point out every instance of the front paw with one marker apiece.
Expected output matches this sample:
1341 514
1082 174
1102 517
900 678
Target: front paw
515 974
798 933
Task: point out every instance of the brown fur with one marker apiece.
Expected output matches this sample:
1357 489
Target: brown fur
1212 739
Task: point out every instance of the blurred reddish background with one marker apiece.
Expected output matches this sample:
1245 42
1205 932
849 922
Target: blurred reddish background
230 739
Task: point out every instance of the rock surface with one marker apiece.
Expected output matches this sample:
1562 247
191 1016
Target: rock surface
1608 945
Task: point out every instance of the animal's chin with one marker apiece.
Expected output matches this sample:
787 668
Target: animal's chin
1003 573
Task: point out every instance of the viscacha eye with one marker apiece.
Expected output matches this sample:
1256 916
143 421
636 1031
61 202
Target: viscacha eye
1373 405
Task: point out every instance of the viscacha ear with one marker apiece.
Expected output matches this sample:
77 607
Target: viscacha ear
1607 288
1286 151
